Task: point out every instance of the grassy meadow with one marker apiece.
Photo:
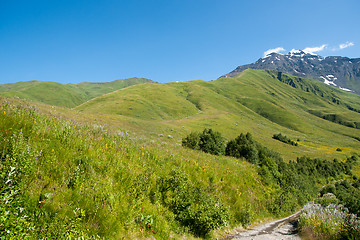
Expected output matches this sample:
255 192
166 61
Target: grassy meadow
255 101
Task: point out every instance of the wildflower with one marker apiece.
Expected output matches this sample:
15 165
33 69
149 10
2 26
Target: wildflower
41 203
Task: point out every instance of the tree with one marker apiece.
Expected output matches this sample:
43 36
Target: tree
208 141
212 142
243 146
191 140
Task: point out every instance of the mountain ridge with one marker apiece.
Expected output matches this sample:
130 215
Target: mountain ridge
340 72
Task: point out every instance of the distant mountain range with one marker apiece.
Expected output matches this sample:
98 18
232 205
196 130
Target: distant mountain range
341 72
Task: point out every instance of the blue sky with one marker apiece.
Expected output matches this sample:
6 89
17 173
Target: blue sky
71 41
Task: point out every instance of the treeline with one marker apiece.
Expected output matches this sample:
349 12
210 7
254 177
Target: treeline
336 118
284 139
296 182
244 146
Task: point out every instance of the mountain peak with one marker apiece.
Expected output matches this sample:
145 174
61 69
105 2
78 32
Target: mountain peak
296 52
272 54
345 72
300 53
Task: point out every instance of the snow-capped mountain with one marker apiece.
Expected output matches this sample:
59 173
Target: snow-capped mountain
341 72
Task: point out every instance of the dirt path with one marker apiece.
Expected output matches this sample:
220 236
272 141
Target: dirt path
285 228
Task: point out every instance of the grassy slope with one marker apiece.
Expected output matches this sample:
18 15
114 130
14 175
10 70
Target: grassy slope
109 178
83 169
46 92
147 101
254 101
91 90
69 95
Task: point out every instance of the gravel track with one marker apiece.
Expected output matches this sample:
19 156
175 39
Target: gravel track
283 229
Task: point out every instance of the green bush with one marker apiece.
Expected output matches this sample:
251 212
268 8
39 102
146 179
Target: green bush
243 146
208 141
194 206
212 142
192 141
327 199
245 215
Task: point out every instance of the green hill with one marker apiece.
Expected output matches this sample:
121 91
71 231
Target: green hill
114 167
46 92
90 90
68 95
261 101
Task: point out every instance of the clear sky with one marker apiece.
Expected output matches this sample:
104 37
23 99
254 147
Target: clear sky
71 41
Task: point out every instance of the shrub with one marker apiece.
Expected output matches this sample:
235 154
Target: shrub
328 222
208 141
322 222
245 215
327 199
243 146
212 142
191 141
194 207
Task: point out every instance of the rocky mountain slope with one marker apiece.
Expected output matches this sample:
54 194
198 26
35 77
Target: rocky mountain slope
341 72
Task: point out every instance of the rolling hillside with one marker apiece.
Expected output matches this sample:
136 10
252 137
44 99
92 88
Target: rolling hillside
68 95
263 102
114 168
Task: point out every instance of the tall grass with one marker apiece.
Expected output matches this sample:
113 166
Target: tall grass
65 178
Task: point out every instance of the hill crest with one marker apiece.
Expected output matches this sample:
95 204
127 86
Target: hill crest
65 95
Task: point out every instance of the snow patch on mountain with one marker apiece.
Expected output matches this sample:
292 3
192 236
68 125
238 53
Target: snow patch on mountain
345 89
329 80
